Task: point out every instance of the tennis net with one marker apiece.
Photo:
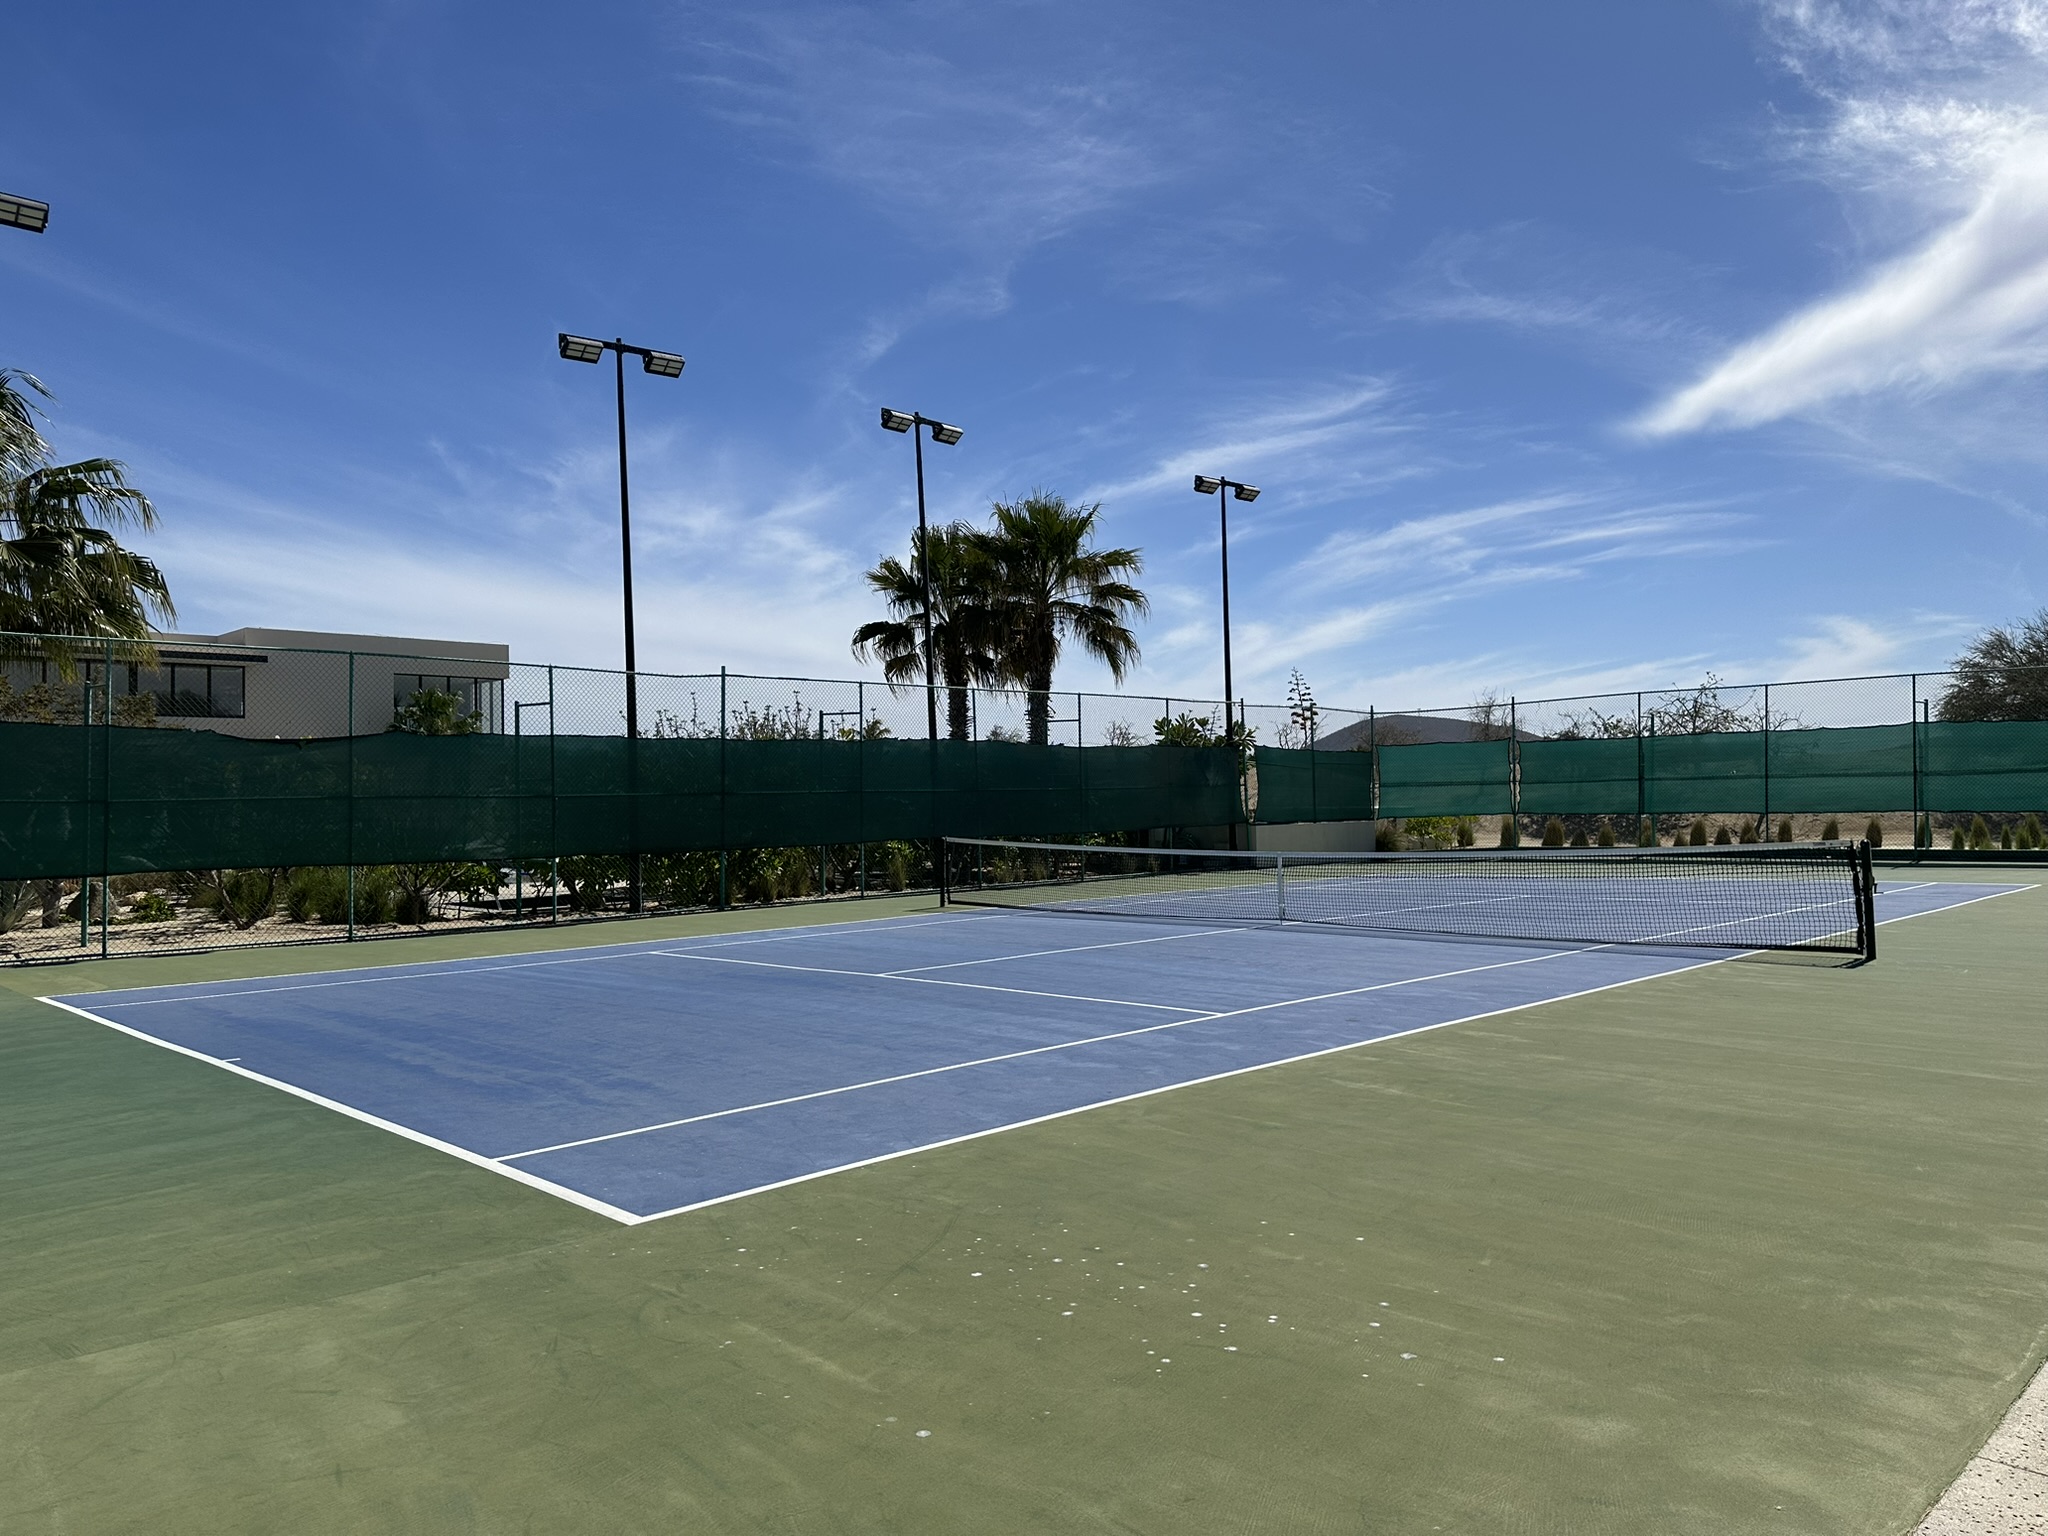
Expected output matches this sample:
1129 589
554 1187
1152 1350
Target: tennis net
1784 896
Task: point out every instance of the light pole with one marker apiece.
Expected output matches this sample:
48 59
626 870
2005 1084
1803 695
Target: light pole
942 432
24 213
1223 490
665 365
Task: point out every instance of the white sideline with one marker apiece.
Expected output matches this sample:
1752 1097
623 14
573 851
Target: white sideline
629 1218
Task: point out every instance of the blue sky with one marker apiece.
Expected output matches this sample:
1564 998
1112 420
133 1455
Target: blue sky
1581 346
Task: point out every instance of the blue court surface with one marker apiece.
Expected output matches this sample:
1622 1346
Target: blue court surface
642 1080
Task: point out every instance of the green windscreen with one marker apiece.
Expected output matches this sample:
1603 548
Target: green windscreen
127 800
1462 778
1296 784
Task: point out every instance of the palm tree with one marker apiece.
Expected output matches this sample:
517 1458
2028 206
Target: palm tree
1051 587
63 571
961 629
21 446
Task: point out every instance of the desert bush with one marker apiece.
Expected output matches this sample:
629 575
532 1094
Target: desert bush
1980 834
241 898
1386 838
1553 833
151 907
1832 831
1510 834
1699 838
1874 833
1785 830
1606 835
1723 838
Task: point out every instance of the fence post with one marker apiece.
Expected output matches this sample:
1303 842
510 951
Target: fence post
106 803
554 810
1372 748
1515 768
1639 769
348 804
723 829
1081 758
1761 832
1913 726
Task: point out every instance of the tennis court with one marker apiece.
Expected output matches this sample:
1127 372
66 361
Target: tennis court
646 1079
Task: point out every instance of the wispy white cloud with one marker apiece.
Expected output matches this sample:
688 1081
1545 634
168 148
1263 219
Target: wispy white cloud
1538 280
1937 130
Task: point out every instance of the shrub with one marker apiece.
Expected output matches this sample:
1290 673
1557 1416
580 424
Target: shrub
241 898
2033 825
317 896
1430 831
1510 834
1606 835
1832 831
1553 833
152 907
1466 836
1956 840
1874 833
1785 830
1385 839
1723 838
1646 833
1579 839
2005 838
1980 834
1699 833
1749 832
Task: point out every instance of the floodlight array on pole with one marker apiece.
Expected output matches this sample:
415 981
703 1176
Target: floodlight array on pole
665 365
24 213
1221 489
942 432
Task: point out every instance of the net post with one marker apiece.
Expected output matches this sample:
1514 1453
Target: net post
1280 883
1866 901
945 885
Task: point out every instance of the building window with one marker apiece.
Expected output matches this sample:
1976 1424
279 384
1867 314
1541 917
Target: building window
186 690
480 697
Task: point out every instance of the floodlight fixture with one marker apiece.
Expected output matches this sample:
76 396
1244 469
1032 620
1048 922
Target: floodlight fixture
1223 490
915 423
24 213
664 365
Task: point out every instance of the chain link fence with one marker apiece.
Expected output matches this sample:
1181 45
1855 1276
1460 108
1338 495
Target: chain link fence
585 793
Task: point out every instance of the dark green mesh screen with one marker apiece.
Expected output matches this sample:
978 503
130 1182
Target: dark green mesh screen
85 799
1985 766
1464 778
1563 778
1864 768
1300 785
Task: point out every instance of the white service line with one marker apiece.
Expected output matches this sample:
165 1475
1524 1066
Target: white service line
639 949
1036 1050
929 981
1071 949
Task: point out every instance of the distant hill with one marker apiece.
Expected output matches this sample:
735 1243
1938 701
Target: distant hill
1407 731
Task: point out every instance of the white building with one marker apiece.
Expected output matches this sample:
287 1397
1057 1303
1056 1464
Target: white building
293 683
